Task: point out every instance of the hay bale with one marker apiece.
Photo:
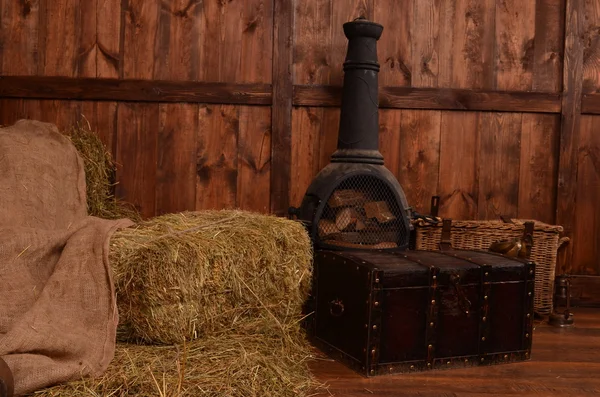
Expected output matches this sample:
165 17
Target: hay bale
99 171
192 274
258 359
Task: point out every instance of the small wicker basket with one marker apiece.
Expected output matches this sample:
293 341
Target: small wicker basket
478 235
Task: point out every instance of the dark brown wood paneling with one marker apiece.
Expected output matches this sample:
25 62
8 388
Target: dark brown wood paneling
61 113
590 34
254 159
419 156
136 155
499 158
570 121
437 99
515 30
390 136
217 157
176 158
108 28
175 38
306 127
319 40
61 41
328 135
585 291
458 185
19 36
586 211
140 39
590 104
235 40
281 115
548 46
538 167
466 44
134 90
424 39
394 47
102 119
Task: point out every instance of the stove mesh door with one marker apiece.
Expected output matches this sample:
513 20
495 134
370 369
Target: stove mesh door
363 213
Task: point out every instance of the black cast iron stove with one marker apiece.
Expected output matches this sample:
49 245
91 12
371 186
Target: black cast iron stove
355 202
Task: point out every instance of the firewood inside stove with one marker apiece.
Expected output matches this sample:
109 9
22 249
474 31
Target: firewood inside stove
346 217
379 210
346 198
327 227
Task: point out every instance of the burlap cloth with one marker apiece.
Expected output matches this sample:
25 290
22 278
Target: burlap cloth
58 314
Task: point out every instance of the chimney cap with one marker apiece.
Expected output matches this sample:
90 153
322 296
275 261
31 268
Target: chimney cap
361 27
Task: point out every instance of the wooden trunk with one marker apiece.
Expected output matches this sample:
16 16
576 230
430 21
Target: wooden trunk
381 312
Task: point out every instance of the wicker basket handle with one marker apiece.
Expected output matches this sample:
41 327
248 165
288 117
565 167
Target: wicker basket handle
562 241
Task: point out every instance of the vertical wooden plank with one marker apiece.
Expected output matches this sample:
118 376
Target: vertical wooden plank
319 41
11 110
19 33
176 159
306 123
136 155
420 156
175 38
537 180
499 158
459 158
515 30
86 26
257 42
108 27
140 39
64 114
328 135
102 119
570 123
311 40
389 138
61 45
254 159
281 114
394 47
590 20
467 45
548 45
424 40
217 157
235 40
586 230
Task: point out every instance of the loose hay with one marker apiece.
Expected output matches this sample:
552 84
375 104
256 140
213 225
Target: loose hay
99 170
255 360
188 275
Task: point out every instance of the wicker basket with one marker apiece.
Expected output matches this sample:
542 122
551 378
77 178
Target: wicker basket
478 235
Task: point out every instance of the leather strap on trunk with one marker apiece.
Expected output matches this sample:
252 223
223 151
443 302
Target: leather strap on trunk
446 239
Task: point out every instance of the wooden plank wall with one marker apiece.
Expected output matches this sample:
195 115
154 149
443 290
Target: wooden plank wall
219 104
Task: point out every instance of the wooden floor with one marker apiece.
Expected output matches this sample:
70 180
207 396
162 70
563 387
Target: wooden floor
565 362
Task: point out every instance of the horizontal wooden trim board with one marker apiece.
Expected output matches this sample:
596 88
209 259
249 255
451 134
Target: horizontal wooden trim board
590 104
127 90
438 99
50 87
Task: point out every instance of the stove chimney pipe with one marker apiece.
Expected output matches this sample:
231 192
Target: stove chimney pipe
358 139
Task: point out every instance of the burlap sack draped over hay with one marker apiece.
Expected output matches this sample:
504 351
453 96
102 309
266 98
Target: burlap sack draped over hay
58 314
480 234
